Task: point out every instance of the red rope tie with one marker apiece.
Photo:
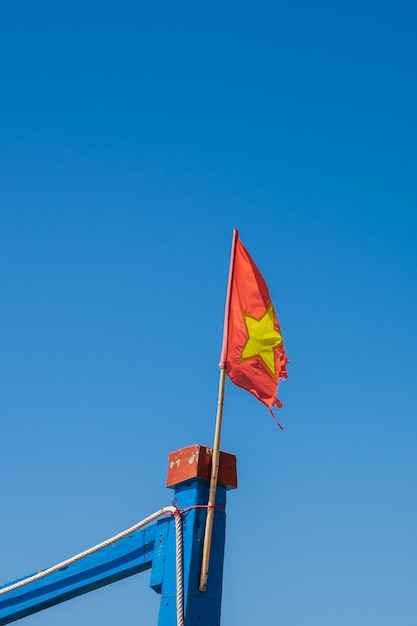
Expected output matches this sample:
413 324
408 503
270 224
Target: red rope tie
197 506
204 506
176 507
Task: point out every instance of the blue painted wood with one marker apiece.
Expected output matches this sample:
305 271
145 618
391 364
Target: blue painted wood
159 554
202 609
126 557
153 547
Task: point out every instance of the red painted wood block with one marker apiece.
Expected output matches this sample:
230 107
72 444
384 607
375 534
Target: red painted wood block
195 462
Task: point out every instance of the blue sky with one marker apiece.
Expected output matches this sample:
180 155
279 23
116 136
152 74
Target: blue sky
133 139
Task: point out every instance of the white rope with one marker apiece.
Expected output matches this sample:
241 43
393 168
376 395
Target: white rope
178 567
178 557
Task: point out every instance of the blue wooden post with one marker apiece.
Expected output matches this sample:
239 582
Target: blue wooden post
189 474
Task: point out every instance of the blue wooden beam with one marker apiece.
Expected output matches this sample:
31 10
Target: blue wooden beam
126 557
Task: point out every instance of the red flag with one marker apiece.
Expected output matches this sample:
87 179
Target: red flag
253 350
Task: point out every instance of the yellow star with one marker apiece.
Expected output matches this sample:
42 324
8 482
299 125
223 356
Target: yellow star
263 338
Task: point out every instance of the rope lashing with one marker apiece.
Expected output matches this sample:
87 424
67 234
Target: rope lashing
204 506
221 508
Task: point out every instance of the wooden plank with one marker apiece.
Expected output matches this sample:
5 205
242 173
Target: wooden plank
126 557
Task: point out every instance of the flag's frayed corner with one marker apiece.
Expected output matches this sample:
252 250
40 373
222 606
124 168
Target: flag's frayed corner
275 419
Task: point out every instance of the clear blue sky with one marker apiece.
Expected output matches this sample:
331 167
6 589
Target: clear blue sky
133 138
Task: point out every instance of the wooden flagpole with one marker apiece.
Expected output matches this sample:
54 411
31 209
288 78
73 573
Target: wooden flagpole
217 433
213 484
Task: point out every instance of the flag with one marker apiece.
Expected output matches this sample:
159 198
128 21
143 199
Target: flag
253 352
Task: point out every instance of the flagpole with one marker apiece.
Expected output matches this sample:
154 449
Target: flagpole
217 433
213 484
